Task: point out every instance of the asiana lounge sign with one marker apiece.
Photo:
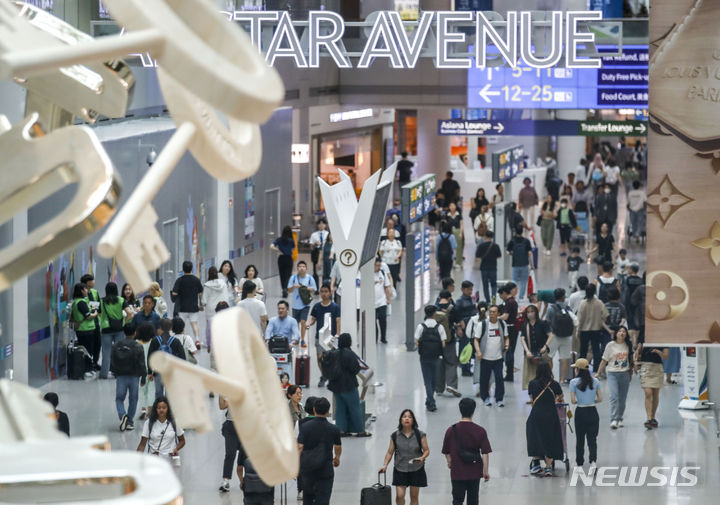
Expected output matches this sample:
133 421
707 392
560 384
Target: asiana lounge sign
554 39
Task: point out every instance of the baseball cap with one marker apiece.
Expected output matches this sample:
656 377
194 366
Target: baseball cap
581 364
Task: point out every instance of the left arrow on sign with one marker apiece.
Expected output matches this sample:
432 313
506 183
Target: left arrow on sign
485 93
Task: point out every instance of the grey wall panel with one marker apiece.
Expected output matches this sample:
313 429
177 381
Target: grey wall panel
188 196
272 195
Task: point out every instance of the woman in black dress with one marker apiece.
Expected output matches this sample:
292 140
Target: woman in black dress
477 203
605 247
544 438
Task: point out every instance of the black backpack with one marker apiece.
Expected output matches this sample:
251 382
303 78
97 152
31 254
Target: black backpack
604 289
430 343
122 354
563 325
444 249
330 364
614 317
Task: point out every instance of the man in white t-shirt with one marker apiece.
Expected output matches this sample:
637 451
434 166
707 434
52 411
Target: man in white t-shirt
490 340
636 205
576 298
612 175
383 294
391 250
254 306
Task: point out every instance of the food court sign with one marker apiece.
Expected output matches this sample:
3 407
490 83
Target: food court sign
540 40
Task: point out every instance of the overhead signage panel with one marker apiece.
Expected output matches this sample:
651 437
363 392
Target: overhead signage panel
545 127
621 82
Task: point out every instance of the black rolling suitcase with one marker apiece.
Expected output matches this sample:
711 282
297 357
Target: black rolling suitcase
377 494
76 362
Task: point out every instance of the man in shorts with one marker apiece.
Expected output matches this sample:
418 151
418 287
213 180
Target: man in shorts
186 296
562 343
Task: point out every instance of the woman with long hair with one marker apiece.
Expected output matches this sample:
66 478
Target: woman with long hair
112 317
585 393
477 203
132 304
409 445
252 274
227 274
160 435
454 219
618 360
213 293
83 318
544 435
548 213
160 303
284 245
536 337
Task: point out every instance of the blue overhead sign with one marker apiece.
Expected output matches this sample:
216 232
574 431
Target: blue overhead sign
621 82
543 127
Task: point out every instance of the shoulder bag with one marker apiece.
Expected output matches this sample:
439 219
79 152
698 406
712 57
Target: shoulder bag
467 456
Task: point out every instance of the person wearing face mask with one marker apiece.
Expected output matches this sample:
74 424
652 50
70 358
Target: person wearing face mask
612 175
565 222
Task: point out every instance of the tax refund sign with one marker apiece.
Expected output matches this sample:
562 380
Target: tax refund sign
621 82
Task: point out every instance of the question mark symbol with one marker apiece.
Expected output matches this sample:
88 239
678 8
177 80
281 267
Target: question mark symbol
348 257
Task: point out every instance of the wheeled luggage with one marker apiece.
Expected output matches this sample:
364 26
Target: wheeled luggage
279 345
302 370
377 494
77 362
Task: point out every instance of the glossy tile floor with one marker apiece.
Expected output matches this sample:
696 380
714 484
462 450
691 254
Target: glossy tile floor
679 441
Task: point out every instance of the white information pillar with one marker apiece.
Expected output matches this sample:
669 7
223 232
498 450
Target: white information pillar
367 268
349 221
695 378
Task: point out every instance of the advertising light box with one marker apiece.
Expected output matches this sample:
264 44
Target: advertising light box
508 163
418 198
621 82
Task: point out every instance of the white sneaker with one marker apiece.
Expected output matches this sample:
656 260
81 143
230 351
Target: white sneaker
591 469
614 425
620 424
299 496
224 486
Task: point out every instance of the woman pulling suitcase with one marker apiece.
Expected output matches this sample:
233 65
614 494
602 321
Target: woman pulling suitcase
410 447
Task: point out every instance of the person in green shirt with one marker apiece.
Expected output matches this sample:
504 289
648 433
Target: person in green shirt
94 302
83 317
112 316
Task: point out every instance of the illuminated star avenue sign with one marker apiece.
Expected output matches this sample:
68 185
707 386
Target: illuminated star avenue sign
559 39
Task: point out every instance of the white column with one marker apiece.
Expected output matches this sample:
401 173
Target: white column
20 330
570 149
472 146
224 221
433 149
